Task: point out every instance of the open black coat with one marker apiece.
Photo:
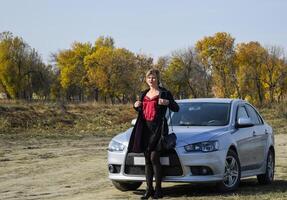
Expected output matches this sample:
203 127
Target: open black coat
136 142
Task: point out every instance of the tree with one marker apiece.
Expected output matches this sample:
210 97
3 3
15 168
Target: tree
100 70
216 53
12 64
125 65
185 76
21 68
162 63
103 41
275 72
250 59
72 69
143 64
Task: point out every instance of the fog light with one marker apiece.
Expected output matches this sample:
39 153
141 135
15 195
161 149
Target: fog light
114 168
200 170
204 171
111 169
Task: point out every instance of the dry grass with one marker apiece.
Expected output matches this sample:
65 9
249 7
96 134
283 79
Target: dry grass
276 116
43 119
57 120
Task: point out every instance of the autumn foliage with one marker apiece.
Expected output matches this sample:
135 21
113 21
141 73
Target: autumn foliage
214 67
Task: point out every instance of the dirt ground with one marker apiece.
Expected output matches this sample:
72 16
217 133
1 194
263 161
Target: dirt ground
67 169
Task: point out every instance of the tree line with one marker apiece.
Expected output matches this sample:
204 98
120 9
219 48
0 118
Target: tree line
214 67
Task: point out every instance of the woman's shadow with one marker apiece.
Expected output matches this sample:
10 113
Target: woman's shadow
247 187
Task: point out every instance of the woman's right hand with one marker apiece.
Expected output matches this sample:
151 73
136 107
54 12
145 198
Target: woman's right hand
137 104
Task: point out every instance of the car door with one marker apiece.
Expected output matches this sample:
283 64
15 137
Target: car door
260 136
245 140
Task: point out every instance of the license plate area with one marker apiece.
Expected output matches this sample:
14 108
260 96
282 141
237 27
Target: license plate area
173 169
141 161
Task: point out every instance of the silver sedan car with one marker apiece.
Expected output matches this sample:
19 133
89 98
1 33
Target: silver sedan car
218 140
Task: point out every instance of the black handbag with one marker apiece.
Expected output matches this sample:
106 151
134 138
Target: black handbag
168 141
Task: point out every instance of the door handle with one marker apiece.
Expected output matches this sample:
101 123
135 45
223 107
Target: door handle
254 133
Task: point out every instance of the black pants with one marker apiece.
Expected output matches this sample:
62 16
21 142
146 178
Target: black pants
152 156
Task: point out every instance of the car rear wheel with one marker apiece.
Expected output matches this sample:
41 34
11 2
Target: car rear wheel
126 186
268 177
232 173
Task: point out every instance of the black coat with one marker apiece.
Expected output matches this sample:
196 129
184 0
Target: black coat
136 142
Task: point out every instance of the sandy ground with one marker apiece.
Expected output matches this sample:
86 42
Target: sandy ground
77 169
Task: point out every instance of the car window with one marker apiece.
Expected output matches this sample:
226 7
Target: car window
259 118
202 114
253 115
242 113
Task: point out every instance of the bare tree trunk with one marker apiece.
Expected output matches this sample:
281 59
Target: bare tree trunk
271 91
192 90
112 99
5 90
96 94
259 91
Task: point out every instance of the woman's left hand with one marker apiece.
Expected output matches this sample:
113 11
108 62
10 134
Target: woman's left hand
163 102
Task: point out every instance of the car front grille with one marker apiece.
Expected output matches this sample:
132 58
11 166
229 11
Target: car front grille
173 169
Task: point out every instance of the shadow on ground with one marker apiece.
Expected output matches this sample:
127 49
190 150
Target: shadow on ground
246 188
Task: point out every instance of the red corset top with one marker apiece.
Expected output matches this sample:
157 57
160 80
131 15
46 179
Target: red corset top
149 107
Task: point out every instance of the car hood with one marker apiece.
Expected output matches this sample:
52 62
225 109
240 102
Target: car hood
185 135
194 134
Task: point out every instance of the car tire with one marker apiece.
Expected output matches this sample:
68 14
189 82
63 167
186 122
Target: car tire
126 186
268 176
232 173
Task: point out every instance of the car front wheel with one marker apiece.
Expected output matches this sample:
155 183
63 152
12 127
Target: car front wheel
268 177
126 186
232 173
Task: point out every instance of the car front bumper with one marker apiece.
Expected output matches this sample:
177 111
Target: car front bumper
213 160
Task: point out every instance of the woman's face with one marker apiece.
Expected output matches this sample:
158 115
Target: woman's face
151 80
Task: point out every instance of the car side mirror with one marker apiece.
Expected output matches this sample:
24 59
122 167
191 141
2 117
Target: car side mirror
133 123
243 122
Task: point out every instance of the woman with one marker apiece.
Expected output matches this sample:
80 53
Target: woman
147 132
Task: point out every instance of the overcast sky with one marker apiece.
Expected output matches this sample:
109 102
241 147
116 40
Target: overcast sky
153 27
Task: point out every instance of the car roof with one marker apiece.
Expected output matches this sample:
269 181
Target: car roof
210 100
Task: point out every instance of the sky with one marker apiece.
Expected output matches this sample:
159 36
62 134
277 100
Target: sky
153 27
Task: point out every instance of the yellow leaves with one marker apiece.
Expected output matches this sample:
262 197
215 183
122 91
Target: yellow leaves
217 54
17 62
107 42
259 71
99 65
71 65
215 66
109 68
249 99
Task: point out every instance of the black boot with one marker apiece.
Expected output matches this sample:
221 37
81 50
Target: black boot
158 177
149 176
148 193
157 194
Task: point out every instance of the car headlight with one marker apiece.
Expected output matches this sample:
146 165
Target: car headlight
116 146
202 146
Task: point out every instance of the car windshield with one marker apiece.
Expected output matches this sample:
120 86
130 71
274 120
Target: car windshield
201 114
